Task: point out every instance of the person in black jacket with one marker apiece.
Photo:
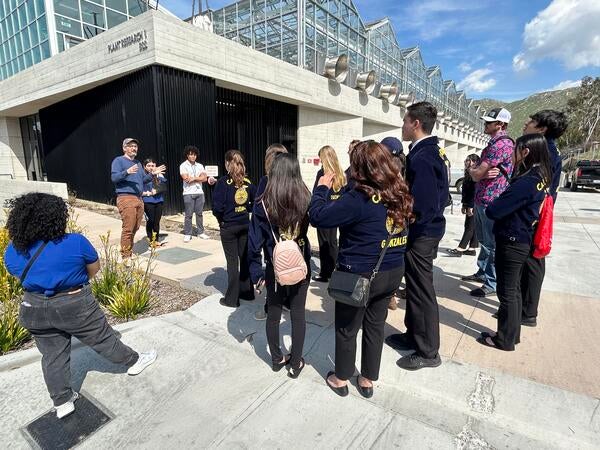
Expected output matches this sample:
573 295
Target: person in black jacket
469 241
427 177
328 241
378 208
552 124
516 212
285 199
272 151
232 200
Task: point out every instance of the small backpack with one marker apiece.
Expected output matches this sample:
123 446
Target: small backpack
288 261
542 238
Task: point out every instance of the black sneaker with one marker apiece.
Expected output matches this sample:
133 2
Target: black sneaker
401 341
470 252
416 362
473 277
482 292
529 321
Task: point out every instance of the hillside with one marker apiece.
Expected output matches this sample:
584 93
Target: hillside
522 109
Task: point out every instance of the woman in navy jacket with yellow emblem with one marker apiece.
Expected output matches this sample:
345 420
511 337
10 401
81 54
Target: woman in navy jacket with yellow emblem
232 201
377 207
328 242
516 213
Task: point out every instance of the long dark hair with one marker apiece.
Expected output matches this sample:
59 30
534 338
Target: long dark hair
36 217
473 157
538 156
286 197
237 168
375 173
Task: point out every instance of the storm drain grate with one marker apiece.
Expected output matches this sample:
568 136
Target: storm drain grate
48 432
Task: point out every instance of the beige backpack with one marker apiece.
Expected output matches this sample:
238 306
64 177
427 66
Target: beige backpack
288 261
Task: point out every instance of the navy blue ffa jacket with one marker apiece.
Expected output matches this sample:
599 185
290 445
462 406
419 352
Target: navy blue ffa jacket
124 182
333 195
232 205
262 185
261 238
427 178
364 229
468 192
158 184
556 164
517 210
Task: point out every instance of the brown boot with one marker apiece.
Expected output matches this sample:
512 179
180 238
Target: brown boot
393 305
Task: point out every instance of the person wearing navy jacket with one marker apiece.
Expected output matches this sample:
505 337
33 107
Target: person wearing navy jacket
153 199
427 178
516 212
378 207
232 201
272 151
285 199
328 241
552 124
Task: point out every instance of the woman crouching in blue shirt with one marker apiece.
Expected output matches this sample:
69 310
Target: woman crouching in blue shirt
377 208
232 202
55 268
285 200
516 212
153 201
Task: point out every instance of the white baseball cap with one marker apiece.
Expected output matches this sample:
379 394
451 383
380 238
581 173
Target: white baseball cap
497 115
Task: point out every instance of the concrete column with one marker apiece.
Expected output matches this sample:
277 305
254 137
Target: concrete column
453 153
317 128
12 156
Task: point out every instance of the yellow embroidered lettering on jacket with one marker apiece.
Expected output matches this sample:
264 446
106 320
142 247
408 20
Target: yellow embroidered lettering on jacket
396 242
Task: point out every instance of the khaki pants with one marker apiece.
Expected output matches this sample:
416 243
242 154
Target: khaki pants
131 209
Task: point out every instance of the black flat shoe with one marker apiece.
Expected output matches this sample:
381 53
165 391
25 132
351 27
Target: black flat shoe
341 391
320 279
470 252
366 392
277 366
222 302
529 321
295 372
455 253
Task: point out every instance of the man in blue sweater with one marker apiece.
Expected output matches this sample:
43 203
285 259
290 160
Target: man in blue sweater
427 178
552 124
129 177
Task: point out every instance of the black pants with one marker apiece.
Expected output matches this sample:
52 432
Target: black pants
277 296
349 319
534 271
153 215
469 237
422 319
235 246
328 250
510 260
52 322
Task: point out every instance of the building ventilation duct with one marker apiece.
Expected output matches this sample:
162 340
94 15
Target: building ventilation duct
405 100
455 121
336 68
365 81
441 116
389 92
448 118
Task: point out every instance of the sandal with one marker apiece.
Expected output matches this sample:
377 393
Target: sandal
295 372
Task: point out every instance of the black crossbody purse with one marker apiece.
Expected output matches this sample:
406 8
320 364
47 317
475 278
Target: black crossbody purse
353 288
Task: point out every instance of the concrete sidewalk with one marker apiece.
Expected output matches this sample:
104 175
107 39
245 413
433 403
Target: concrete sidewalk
212 385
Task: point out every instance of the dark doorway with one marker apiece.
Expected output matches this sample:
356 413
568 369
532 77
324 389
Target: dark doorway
32 139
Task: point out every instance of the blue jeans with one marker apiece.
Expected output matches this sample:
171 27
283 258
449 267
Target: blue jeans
487 254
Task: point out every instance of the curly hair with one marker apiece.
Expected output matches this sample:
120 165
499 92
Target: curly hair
36 217
375 173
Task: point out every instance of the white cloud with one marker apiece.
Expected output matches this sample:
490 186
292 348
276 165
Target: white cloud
476 81
566 85
566 31
464 67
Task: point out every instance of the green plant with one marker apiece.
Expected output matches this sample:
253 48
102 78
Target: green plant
129 300
12 334
110 272
72 222
10 287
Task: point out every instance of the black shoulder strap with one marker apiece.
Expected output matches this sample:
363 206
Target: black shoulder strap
503 172
31 261
381 256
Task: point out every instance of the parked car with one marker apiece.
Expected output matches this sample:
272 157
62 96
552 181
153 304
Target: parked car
456 178
585 174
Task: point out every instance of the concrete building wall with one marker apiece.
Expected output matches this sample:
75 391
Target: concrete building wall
12 156
13 188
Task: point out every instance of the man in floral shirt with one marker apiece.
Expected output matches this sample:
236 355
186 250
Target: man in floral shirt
491 175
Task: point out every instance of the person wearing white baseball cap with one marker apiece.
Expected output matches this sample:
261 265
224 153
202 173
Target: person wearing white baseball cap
491 175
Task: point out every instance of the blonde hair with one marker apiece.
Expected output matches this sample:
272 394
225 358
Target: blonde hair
236 166
331 164
272 151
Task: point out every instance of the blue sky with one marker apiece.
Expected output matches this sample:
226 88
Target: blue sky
505 50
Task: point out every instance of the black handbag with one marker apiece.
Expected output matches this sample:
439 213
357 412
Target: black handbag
353 288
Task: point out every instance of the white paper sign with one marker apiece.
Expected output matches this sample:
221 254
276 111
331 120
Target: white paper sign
212 171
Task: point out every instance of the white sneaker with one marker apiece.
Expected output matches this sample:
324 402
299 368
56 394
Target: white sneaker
145 359
187 238
204 236
66 408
